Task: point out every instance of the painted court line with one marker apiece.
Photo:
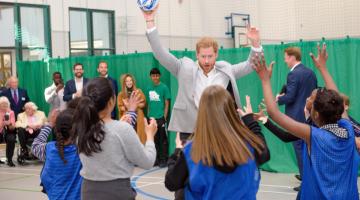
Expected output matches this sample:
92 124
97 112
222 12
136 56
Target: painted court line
25 169
278 186
141 192
19 173
162 178
147 182
22 190
154 183
269 191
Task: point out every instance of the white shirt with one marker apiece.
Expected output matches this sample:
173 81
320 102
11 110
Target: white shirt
213 77
78 83
53 98
295 66
202 81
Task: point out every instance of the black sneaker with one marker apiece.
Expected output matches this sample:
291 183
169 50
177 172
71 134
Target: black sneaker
2 162
163 164
10 163
298 177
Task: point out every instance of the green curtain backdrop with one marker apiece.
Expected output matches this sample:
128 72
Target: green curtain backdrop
343 63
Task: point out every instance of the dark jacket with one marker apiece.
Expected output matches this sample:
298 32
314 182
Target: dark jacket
299 85
70 88
23 98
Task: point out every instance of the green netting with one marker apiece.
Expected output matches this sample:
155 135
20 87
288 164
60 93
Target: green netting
343 64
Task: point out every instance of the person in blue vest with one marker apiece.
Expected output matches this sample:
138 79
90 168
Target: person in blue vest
220 161
60 176
330 158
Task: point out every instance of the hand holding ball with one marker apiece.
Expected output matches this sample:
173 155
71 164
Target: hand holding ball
147 5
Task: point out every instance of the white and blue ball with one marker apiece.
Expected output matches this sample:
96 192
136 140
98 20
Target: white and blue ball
147 5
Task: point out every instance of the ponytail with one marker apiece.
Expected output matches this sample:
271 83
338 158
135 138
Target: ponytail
63 130
87 124
88 127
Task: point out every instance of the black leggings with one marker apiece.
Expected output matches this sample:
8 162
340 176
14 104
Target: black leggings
10 139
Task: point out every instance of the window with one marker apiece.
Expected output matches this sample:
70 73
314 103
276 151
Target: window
7 38
25 30
91 32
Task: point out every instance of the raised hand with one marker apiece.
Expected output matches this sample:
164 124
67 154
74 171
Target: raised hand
320 60
149 17
150 128
247 109
260 114
253 35
263 72
52 117
133 101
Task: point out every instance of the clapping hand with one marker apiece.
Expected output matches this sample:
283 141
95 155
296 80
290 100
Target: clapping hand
133 101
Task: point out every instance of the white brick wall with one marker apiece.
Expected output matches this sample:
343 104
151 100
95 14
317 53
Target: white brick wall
180 25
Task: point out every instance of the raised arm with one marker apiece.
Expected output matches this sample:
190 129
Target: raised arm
273 128
38 147
320 63
50 93
166 59
136 153
247 116
244 68
296 128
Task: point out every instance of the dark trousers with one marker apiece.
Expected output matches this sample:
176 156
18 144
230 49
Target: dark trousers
298 147
184 137
161 140
10 140
24 136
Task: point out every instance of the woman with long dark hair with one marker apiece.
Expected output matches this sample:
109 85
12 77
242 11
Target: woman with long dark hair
109 149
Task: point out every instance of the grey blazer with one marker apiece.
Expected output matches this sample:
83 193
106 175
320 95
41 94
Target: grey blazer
184 113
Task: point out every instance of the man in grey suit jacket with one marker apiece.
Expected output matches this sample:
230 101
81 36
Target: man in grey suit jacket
194 76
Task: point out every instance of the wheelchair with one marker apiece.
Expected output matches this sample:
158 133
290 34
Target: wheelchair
24 155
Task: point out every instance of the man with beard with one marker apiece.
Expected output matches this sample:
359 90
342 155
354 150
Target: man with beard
103 72
194 77
55 92
74 86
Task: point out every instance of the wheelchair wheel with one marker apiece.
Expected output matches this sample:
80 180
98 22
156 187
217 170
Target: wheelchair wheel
20 157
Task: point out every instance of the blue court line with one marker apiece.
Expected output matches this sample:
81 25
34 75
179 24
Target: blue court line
133 184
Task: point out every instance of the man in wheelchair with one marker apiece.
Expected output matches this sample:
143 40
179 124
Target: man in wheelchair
28 124
7 129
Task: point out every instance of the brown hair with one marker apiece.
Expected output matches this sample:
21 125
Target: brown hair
124 89
294 51
220 137
206 42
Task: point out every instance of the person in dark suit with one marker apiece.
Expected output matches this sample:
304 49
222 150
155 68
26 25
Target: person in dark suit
18 97
301 81
74 86
103 72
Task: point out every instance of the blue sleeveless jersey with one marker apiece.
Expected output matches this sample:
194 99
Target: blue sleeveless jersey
330 169
206 182
60 180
